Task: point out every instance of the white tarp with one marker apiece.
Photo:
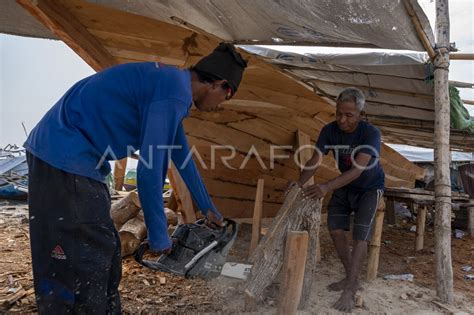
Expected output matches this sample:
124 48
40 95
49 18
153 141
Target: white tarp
416 154
381 23
352 23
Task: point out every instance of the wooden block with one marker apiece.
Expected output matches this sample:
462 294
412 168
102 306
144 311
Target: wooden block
294 261
257 216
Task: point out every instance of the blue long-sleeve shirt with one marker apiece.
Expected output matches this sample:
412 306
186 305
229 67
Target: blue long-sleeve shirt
136 106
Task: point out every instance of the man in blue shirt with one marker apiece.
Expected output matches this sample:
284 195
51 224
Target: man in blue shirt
107 116
356 148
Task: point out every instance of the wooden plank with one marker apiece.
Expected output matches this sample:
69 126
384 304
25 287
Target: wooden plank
55 16
234 208
148 46
264 130
130 54
182 194
374 247
293 269
257 217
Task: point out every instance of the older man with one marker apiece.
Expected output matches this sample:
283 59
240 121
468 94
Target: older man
356 148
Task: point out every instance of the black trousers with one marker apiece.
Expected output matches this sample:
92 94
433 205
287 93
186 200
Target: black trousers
75 248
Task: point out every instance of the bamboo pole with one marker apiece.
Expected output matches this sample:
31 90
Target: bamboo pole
374 247
444 268
294 261
257 216
461 56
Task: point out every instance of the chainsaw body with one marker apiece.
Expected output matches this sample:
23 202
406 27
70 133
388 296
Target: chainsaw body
198 251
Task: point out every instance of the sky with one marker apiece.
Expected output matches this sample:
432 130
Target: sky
35 73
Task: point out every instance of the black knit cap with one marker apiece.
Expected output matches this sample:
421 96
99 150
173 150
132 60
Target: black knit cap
224 63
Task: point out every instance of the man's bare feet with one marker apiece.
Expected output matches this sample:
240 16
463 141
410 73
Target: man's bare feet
346 301
340 285
337 286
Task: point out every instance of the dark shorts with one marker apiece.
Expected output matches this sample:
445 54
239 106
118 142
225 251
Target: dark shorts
364 204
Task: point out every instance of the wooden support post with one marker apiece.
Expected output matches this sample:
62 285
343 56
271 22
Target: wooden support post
119 173
303 142
390 211
374 247
420 226
443 260
257 216
470 221
294 261
182 195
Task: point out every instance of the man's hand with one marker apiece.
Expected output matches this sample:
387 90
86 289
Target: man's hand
213 220
316 191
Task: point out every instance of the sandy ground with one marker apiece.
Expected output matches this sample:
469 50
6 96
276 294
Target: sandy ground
142 292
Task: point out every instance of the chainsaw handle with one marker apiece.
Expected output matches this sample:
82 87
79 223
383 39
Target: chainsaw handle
145 247
141 251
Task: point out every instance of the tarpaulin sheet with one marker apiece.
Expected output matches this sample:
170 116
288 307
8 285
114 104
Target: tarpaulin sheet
367 23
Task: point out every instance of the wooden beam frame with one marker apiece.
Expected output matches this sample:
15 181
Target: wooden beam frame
70 30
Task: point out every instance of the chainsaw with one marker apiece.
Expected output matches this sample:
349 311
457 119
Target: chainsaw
197 250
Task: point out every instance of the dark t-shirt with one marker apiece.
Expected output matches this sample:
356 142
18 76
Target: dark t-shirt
365 139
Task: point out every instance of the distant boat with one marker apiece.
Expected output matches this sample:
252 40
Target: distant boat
13 173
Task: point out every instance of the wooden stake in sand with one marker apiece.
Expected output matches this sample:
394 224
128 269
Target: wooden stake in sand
257 216
294 262
296 214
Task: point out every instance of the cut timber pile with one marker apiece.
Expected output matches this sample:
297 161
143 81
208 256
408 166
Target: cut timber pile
296 214
129 221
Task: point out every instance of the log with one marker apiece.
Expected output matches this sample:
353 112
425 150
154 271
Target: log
296 249
442 156
296 214
132 234
171 216
420 226
374 247
125 209
257 216
303 141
